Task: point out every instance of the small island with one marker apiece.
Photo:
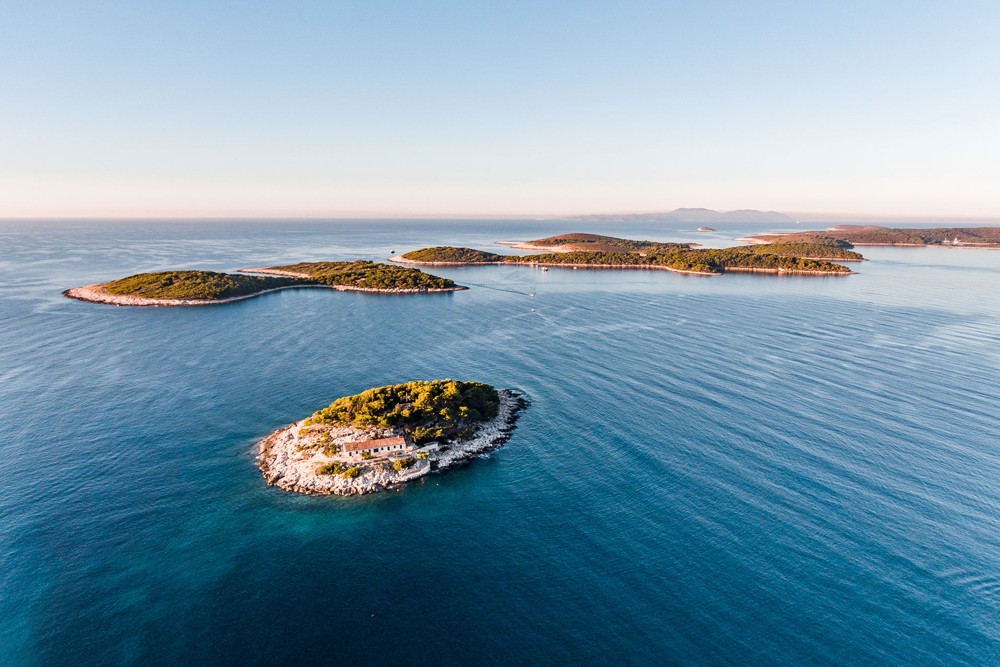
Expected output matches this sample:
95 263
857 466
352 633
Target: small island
874 235
705 229
593 251
199 288
385 437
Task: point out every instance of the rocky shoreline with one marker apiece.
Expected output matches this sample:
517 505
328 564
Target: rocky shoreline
284 463
98 294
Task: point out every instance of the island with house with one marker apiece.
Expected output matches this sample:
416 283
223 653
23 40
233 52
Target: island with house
387 436
874 235
595 251
199 288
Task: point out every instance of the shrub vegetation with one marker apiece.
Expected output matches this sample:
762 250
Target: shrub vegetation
612 252
212 286
194 285
449 254
863 235
805 251
364 274
598 243
403 463
425 411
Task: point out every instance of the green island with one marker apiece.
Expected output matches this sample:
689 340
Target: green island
185 288
962 237
578 241
784 257
386 436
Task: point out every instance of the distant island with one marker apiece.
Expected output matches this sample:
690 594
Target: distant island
705 229
387 436
596 251
198 288
954 237
594 243
697 216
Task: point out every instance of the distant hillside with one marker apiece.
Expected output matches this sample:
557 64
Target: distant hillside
699 216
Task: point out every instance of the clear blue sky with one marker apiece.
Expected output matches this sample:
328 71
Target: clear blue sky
294 108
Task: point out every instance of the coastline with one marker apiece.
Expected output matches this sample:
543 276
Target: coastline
283 465
523 245
415 262
557 265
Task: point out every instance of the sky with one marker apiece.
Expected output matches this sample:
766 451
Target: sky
323 108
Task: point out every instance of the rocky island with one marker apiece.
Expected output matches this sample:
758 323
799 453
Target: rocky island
594 251
949 237
387 436
199 288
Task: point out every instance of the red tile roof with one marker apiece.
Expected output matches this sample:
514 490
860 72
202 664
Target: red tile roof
372 444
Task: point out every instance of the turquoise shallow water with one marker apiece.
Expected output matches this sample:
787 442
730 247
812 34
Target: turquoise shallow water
744 469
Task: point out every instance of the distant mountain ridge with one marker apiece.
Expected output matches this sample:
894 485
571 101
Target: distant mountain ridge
699 216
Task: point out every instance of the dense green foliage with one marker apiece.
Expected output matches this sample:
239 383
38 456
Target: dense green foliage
599 243
333 468
937 236
211 286
193 285
597 250
425 410
403 463
368 275
699 260
702 260
804 250
450 254
865 235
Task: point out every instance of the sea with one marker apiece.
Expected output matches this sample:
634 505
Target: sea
734 470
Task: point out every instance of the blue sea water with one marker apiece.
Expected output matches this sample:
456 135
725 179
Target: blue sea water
745 469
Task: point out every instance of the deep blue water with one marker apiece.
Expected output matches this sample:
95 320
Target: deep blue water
743 469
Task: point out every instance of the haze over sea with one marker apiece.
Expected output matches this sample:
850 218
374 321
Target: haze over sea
742 469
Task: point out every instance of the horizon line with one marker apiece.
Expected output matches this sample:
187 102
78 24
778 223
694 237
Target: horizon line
798 216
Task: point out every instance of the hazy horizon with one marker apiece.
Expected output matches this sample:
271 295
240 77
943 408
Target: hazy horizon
353 110
800 217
